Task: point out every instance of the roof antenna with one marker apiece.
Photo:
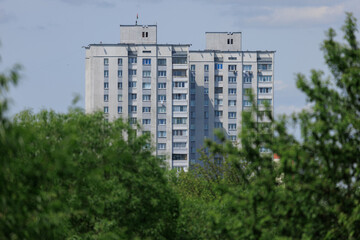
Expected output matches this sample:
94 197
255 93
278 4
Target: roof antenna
137 17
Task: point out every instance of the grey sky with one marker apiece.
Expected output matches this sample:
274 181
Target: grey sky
46 37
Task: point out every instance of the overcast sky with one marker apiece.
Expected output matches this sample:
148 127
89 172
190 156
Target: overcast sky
46 38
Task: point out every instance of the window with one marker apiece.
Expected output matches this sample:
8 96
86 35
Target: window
161 98
106 85
192 78
161 157
206 114
179 145
119 61
119 73
146 98
264 101
232 103
106 73
232 67
161 121
146 109
218 90
162 109
265 90
218 102
232 91
119 109
232 115
106 62
179 132
264 66
247 103
179 84
206 102
106 109
162 62
133 120
146 85
161 134
206 68
132 60
146 61
218 125
146 51
218 66
232 58
230 41
206 133
179 73
264 78
179 120
206 90
106 98
179 60
218 78
132 84
146 73
179 157
119 85
232 137
146 121
218 113
179 96
246 67
119 97
133 96
247 91
192 67
162 73
179 108
161 85
132 109
206 79
232 126
247 79
132 72
232 79
264 114
161 146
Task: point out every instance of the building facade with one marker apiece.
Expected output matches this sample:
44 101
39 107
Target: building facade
179 96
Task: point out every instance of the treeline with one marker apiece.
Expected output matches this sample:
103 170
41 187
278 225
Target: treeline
76 176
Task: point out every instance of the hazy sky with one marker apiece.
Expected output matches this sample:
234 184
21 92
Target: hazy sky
46 37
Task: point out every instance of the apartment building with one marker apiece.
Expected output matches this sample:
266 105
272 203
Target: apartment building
179 96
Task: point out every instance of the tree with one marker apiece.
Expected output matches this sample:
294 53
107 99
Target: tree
76 176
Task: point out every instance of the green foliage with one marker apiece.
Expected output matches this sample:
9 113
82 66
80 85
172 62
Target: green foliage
75 176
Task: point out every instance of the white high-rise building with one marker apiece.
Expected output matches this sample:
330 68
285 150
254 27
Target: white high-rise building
178 95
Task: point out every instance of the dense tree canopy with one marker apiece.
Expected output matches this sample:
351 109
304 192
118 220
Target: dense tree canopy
76 176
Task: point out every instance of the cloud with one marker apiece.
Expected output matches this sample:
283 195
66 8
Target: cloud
297 16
